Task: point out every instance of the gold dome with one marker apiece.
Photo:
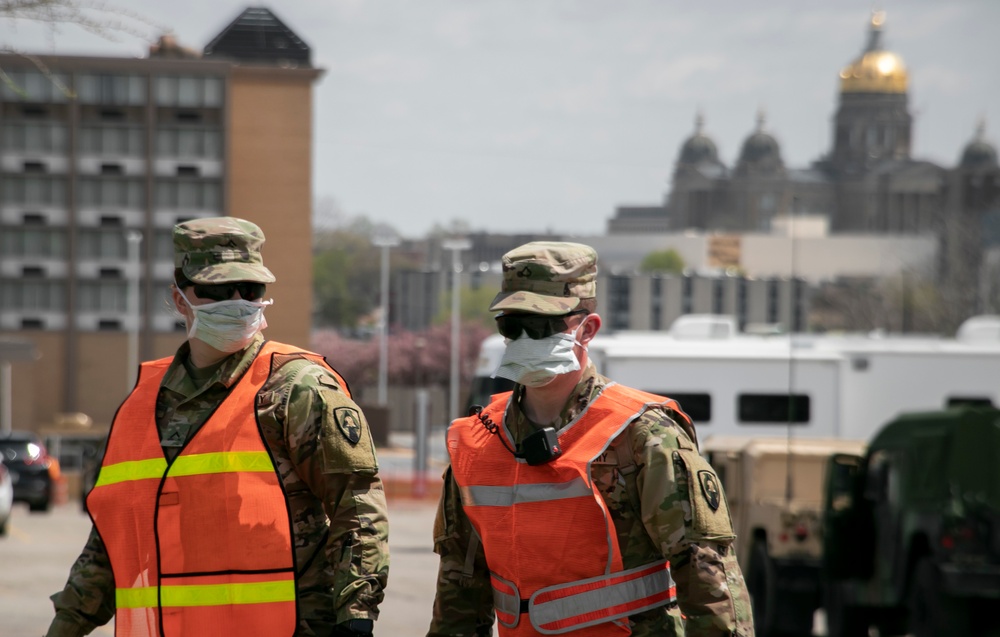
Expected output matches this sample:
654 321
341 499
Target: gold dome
877 70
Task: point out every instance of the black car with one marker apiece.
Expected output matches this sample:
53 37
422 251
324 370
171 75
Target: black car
30 468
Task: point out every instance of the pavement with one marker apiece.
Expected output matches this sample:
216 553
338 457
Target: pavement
36 555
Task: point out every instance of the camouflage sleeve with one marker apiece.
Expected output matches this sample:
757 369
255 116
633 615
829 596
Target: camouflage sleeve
685 513
330 470
88 600
463 603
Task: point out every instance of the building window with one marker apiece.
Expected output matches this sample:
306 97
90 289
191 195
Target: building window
189 91
773 409
103 243
33 295
113 192
34 86
111 89
189 194
189 142
112 140
618 296
34 190
35 241
106 295
34 137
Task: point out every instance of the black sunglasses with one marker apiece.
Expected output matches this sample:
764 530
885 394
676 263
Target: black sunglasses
249 290
536 326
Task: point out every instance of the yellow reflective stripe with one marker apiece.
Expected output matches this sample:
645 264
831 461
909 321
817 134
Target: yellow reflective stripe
222 462
131 470
207 594
195 464
144 597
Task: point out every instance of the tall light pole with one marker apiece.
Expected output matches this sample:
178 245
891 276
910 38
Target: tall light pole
385 242
133 238
456 246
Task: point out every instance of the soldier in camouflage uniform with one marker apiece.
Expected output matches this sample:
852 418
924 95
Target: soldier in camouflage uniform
663 498
317 436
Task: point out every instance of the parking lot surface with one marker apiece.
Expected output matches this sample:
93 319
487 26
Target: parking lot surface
37 554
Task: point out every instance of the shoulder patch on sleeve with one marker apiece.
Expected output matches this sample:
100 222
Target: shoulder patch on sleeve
349 423
710 517
710 489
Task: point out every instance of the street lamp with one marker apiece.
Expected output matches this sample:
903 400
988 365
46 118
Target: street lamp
133 238
456 246
385 242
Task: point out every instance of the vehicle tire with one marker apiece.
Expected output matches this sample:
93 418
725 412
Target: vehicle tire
4 526
932 613
39 507
760 586
843 619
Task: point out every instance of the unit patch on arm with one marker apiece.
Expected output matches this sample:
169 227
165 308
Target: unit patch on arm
710 488
349 423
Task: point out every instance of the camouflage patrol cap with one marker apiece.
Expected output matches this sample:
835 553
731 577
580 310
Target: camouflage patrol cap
220 250
547 277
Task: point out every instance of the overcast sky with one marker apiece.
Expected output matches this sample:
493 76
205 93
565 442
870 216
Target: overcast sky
534 115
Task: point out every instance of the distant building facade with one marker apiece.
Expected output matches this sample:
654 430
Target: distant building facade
95 150
868 183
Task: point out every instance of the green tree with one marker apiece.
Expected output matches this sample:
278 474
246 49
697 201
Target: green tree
346 277
668 260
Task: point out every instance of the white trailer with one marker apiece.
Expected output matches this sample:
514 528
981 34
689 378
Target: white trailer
800 385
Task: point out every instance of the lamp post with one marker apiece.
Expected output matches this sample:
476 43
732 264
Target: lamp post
133 239
385 242
456 246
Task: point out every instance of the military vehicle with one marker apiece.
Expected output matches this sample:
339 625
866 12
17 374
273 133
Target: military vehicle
774 487
912 528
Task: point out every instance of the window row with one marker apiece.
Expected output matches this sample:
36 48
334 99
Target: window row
46 137
52 137
112 89
43 243
120 192
35 86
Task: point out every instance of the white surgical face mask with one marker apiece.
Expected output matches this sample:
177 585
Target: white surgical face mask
535 363
228 326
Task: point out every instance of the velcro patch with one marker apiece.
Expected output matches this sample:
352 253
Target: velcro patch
710 488
349 423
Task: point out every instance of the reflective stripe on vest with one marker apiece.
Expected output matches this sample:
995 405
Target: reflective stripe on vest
566 607
196 464
178 534
517 509
206 595
489 496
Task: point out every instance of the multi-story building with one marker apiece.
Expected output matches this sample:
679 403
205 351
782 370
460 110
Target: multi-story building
100 157
867 183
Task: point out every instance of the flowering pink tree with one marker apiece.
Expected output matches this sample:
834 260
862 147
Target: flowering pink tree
415 358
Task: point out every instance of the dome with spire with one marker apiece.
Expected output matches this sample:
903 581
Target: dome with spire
698 148
760 147
875 70
979 153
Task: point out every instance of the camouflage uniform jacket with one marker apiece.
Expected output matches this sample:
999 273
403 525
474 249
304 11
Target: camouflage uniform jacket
649 491
340 530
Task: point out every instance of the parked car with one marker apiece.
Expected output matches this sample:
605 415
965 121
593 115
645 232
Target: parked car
6 497
31 468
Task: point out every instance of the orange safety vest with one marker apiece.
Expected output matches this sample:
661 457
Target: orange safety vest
200 546
549 540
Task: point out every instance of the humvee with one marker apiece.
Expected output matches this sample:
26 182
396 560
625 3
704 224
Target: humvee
912 528
774 487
